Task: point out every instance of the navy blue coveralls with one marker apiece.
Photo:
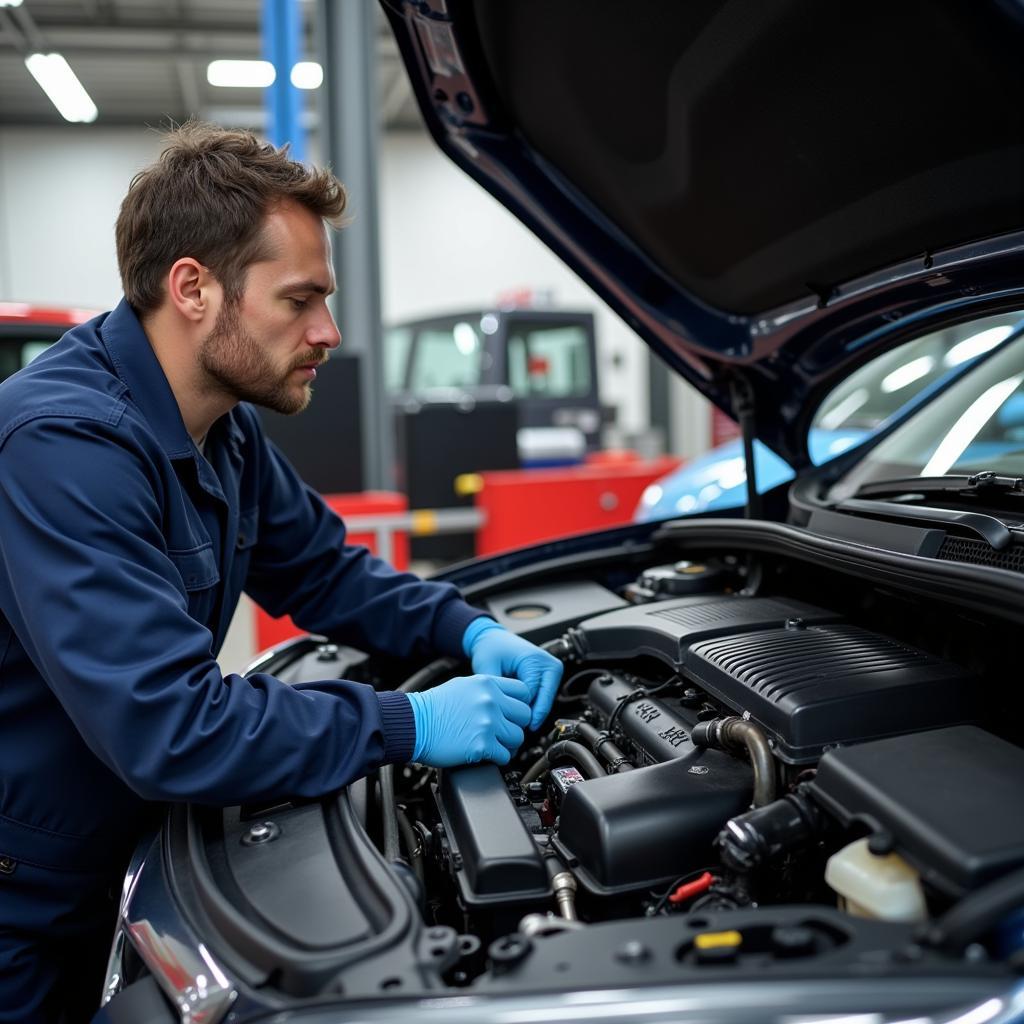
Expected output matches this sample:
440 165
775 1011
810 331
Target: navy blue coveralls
123 552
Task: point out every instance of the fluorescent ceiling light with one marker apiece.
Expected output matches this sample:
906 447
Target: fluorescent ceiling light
976 344
967 428
59 82
839 414
907 374
10 3
241 74
307 74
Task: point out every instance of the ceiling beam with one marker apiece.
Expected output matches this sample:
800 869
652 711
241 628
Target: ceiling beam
32 35
12 33
120 42
109 18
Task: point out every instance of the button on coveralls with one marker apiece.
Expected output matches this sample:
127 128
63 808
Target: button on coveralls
123 553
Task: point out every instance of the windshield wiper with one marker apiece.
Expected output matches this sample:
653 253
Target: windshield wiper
985 482
991 530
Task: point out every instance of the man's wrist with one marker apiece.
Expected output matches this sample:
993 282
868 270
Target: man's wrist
474 629
419 716
398 725
450 626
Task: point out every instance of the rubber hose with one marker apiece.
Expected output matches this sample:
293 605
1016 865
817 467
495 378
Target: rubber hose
977 914
412 842
389 812
566 750
726 733
430 675
602 745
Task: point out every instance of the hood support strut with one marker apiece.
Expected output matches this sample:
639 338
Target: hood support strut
744 405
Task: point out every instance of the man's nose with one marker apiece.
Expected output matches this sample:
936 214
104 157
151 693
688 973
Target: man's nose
325 333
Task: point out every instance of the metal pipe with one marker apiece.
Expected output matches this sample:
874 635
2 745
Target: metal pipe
561 648
734 733
565 894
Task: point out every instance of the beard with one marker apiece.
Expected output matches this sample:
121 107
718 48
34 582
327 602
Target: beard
237 365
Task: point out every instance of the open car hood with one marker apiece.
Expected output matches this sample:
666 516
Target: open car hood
769 193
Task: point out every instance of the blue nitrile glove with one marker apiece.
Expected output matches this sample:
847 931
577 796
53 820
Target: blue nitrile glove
470 719
495 651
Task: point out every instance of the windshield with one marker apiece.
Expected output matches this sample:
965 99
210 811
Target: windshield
977 424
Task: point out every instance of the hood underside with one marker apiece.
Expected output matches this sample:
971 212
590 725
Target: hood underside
773 190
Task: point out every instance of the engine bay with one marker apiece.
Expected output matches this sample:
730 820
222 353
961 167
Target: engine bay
743 772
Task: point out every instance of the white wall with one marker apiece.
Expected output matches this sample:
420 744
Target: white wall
60 190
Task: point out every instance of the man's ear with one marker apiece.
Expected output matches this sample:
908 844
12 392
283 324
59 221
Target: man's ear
192 290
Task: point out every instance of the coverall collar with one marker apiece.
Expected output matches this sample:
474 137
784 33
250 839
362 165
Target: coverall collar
137 365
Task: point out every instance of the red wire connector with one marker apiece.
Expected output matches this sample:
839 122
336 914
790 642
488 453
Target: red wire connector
690 889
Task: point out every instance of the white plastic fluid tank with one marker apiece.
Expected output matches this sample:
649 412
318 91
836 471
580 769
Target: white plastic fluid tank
882 886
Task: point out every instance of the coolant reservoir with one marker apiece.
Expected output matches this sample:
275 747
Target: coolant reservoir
882 886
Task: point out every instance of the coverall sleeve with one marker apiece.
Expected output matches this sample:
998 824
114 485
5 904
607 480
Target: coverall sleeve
89 588
302 566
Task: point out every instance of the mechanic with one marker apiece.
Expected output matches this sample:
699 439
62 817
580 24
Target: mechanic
138 498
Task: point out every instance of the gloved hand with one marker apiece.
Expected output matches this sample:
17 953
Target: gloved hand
470 719
495 651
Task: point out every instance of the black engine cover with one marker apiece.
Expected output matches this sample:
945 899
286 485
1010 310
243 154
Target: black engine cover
809 680
643 828
816 686
951 799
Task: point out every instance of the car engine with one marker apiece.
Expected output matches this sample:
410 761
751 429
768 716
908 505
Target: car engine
734 777
724 753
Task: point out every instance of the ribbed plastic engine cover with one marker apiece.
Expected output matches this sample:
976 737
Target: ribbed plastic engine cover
819 685
666 629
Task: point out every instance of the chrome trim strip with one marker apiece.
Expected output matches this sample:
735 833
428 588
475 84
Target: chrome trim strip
838 1001
182 966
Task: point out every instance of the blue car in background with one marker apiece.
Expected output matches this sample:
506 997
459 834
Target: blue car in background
885 389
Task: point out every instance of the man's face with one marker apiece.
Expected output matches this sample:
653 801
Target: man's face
265 347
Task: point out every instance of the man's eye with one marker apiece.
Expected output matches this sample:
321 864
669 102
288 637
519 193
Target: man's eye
299 303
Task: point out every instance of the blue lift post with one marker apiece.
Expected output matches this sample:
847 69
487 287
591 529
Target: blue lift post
349 134
282 36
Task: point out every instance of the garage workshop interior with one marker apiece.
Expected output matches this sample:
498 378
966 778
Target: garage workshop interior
570 570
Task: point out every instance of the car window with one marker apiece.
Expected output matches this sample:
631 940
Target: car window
396 354
872 395
16 353
551 361
447 358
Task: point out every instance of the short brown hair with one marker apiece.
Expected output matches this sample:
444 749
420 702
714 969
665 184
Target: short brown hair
206 197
